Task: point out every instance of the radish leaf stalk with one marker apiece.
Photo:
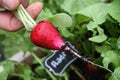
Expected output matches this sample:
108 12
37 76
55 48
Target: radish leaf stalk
25 18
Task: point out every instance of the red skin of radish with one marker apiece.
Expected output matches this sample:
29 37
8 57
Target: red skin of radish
91 68
45 35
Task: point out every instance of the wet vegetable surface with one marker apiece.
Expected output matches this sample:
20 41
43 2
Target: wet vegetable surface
45 35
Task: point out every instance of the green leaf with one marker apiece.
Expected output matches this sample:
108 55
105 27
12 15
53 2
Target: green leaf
6 68
118 43
40 71
45 14
114 9
2 37
115 75
92 25
80 18
73 6
66 33
25 71
99 38
111 56
102 48
113 43
31 1
97 12
3 32
61 20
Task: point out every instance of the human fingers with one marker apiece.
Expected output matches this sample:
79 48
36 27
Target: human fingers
9 4
10 23
13 4
24 2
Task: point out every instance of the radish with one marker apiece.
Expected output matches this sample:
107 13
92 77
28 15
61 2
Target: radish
44 34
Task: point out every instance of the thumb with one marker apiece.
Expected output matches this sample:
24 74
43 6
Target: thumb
9 4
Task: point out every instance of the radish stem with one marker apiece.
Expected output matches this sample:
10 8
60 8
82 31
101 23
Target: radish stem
40 62
85 59
25 18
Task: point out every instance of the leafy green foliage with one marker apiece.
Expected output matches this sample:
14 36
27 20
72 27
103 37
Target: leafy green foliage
24 72
65 32
114 9
7 67
59 20
73 6
99 38
97 12
111 56
74 19
115 75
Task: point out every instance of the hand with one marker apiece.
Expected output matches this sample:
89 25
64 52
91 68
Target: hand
8 21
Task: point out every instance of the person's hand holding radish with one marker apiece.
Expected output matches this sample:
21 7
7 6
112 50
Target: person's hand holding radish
8 21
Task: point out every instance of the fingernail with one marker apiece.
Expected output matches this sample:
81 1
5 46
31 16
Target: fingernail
10 4
6 4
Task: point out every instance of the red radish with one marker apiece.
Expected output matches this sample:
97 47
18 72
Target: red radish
45 35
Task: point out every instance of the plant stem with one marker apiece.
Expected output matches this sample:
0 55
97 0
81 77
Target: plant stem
76 71
40 62
24 17
65 76
67 48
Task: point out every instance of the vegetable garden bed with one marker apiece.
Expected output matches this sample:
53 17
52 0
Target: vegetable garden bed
92 26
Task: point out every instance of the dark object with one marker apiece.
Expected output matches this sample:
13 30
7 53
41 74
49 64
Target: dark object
2 55
73 76
14 78
59 60
106 1
34 66
100 74
88 34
